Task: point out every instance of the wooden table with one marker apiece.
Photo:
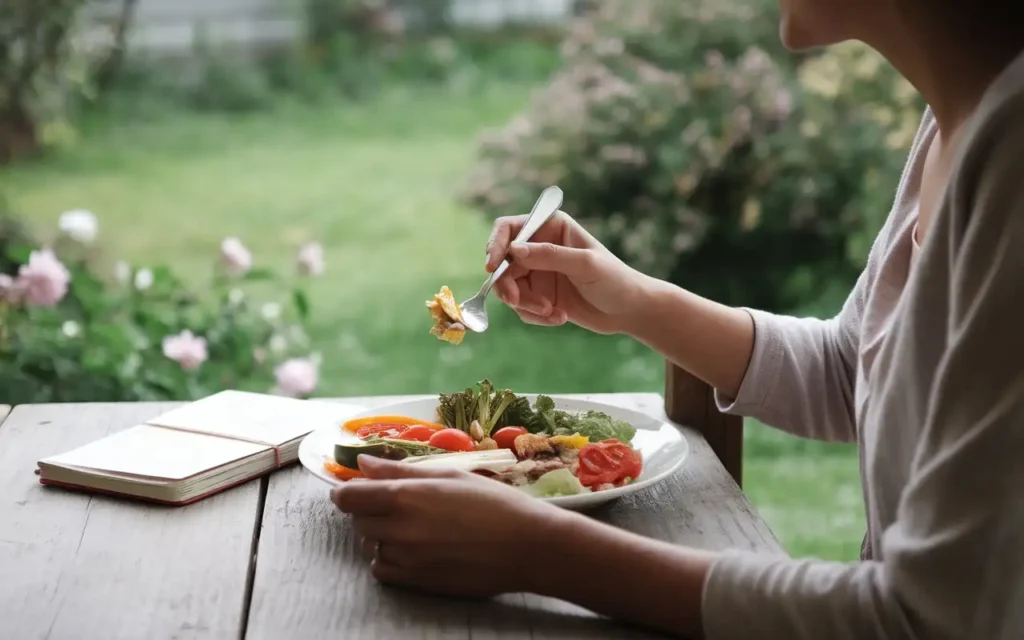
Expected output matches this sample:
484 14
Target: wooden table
272 559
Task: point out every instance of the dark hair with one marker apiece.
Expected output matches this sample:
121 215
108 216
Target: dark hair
992 24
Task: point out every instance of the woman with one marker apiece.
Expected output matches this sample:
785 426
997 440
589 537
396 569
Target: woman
923 367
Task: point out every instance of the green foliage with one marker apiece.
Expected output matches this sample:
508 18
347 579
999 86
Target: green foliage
701 152
105 339
227 81
41 75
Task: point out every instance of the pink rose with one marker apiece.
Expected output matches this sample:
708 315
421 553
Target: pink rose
311 259
43 282
186 349
297 377
236 258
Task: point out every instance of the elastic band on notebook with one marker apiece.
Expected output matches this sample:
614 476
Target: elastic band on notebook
276 448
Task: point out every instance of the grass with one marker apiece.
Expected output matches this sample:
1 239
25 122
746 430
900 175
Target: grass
376 183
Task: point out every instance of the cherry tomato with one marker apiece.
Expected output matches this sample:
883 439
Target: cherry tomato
506 437
451 440
418 432
381 430
607 462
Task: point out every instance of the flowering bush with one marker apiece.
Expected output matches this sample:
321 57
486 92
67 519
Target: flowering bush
70 334
699 151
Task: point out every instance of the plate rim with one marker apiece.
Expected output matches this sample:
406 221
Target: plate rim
562 501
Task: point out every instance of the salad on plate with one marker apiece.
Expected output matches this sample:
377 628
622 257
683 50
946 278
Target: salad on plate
538 448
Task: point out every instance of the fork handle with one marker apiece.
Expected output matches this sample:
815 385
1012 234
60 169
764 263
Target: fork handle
546 206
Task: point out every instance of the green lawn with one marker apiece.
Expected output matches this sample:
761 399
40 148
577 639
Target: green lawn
376 184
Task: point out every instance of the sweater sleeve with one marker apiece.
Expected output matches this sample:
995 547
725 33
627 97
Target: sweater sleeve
802 372
951 561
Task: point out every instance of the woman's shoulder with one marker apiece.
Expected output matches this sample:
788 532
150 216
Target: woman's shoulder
994 140
987 185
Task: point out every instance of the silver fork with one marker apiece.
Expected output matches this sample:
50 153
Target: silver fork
474 310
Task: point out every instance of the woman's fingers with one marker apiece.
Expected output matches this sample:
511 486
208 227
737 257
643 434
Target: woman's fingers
555 319
521 294
530 301
506 228
543 287
365 497
507 290
369 547
544 256
501 235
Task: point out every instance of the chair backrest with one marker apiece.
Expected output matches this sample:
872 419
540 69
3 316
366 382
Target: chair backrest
690 401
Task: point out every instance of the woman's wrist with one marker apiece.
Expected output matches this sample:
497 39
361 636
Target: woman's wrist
712 341
652 301
620 574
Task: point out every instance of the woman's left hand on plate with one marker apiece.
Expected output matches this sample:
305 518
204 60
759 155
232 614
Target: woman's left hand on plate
445 532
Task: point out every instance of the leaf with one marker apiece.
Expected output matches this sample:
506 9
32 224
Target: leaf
301 303
255 275
19 253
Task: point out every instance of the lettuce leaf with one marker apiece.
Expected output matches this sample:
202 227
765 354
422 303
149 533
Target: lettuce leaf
559 482
598 426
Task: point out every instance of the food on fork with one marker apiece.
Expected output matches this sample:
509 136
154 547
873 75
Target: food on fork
448 323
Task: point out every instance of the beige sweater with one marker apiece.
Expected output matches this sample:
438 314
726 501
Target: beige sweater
924 368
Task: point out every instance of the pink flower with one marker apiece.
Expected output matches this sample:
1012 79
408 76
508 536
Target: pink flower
43 282
297 377
236 258
311 259
186 349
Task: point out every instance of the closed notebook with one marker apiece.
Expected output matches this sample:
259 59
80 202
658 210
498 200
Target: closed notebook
196 450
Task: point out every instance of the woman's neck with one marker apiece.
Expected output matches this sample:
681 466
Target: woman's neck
952 71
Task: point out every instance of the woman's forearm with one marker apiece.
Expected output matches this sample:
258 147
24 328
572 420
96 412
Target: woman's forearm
710 340
622 575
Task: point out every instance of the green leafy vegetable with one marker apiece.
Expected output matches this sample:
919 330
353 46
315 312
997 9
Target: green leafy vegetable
483 404
518 414
598 426
495 409
594 424
559 482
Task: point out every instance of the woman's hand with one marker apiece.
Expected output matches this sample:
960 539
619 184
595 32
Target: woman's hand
564 275
459 534
446 532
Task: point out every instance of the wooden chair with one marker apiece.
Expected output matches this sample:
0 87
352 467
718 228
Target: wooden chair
691 402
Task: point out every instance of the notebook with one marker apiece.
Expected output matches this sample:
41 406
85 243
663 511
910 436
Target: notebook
194 451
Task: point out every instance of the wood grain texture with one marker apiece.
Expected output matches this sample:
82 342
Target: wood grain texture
79 566
691 401
311 580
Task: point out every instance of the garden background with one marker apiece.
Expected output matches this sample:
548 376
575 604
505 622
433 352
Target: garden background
261 194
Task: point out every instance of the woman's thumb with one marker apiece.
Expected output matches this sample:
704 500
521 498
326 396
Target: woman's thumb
544 256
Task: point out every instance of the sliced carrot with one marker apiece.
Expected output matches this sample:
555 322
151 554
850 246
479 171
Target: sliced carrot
354 425
340 472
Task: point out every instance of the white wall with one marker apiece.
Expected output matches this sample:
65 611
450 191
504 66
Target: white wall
174 25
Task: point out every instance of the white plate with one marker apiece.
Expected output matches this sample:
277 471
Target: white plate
662 446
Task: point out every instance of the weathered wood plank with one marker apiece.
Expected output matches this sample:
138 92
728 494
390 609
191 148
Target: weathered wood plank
79 566
311 578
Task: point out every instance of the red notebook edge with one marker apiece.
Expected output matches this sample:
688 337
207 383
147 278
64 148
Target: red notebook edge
168 503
